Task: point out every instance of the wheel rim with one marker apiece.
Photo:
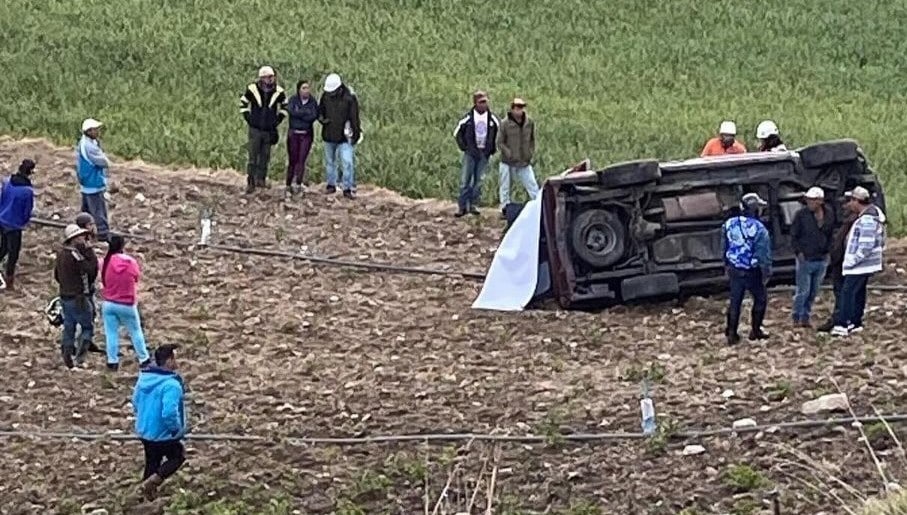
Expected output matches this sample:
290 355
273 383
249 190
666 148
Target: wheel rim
600 239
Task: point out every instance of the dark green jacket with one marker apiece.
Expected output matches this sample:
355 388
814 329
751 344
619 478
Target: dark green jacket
335 110
516 141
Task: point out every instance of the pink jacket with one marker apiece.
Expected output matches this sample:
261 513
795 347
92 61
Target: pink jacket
120 279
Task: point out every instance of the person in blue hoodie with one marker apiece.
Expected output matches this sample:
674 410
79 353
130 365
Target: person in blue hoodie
17 199
91 169
160 418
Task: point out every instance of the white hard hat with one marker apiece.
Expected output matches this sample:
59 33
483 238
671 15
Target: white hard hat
90 123
815 193
71 231
265 71
332 82
766 128
727 128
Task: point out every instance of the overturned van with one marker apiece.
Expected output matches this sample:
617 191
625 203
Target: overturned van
645 229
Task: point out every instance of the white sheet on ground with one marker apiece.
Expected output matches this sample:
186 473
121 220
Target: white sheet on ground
511 280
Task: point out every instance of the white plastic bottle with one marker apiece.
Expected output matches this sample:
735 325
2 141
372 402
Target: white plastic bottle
647 410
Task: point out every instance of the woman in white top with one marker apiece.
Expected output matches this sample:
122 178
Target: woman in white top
769 137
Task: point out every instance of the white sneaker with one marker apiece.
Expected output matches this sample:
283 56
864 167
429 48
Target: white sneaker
839 331
854 329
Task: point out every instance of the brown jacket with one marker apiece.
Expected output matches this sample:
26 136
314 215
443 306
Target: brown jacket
838 246
516 141
76 270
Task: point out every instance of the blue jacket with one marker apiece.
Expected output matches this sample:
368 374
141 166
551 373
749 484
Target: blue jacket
17 199
747 244
91 166
158 404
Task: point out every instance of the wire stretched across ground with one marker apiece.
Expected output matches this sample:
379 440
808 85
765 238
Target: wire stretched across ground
385 267
454 437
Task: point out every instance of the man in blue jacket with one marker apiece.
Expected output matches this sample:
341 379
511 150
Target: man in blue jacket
17 199
91 168
748 260
160 418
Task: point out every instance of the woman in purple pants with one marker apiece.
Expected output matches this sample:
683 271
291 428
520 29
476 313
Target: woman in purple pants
303 110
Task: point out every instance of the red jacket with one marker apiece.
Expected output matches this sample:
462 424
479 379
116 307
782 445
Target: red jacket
120 279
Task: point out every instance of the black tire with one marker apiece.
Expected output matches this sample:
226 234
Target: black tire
828 153
598 237
630 173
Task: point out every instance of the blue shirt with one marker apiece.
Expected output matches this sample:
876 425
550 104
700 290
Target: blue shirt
747 244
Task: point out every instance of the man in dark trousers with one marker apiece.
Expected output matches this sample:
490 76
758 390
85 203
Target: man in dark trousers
338 112
17 199
476 135
748 260
92 168
811 233
263 105
303 113
76 270
160 418
835 265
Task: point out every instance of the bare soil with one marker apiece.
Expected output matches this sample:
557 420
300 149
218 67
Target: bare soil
283 348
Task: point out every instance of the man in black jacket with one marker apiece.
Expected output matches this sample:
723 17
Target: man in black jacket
338 112
811 237
263 105
476 134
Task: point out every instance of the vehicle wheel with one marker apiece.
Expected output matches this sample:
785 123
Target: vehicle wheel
598 237
829 152
630 173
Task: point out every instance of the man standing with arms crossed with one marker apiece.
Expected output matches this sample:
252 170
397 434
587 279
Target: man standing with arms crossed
91 168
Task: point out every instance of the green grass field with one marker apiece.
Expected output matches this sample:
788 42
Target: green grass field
609 80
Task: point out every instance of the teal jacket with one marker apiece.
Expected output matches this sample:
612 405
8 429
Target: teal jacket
158 403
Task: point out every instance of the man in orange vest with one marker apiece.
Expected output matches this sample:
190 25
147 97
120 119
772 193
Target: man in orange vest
725 143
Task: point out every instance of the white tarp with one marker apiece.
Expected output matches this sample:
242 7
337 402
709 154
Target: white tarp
511 280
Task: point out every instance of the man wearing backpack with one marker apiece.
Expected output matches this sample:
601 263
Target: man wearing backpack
748 260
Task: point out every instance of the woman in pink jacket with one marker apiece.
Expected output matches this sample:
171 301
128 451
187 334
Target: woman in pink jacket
119 276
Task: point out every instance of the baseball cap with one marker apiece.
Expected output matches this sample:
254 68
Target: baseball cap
479 95
90 123
164 352
815 193
752 199
518 102
859 193
265 71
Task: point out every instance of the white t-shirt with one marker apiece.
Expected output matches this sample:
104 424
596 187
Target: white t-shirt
480 120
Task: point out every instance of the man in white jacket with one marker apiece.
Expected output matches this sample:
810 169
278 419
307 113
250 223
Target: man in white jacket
862 258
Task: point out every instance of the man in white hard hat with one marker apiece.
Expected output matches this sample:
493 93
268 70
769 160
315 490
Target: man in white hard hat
92 167
725 143
769 137
810 235
76 270
338 112
264 106
748 261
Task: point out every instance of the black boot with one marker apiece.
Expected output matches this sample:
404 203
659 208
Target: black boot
67 351
826 327
758 316
730 330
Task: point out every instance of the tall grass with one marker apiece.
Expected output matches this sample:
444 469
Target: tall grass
611 80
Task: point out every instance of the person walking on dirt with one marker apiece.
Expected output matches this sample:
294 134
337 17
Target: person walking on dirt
769 137
160 419
811 236
516 141
303 109
725 143
748 260
264 106
120 274
338 112
92 168
76 270
476 135
17 200
863 250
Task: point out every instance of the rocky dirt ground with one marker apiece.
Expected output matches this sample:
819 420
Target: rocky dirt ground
282 348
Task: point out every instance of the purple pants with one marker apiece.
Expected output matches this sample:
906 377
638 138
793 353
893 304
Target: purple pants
298 147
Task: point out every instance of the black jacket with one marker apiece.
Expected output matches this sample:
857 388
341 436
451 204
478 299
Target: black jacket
76 270
302 115
263 110
334 110
807 238
465 134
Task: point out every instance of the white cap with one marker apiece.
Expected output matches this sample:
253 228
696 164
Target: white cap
859 193
815 193
752 199
727 127
265 71
332 82
90 123
766 128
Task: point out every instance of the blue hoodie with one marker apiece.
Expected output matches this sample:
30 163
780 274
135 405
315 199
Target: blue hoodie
17 199
91 166
158 405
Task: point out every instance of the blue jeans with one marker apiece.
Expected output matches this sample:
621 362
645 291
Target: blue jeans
471 181
526 176
809 277
127 315
853 300
346 160
77 312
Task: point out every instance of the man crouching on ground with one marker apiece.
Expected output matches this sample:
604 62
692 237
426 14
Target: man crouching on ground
160 419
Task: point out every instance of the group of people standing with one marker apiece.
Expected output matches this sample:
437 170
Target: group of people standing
264 106
853 255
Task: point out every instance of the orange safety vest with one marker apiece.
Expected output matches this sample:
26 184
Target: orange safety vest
714 148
